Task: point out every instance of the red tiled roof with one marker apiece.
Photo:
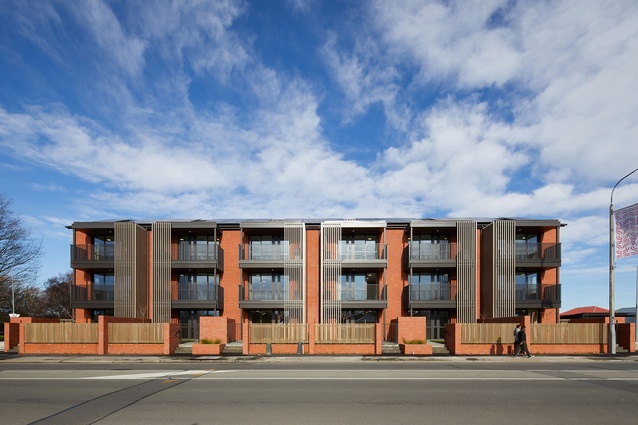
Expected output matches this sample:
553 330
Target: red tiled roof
585 310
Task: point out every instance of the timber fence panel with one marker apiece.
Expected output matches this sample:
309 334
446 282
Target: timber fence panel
278 333
487 333
568 333
61 333
136 333
345 333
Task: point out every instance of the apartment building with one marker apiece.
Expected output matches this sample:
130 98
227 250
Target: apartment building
317 271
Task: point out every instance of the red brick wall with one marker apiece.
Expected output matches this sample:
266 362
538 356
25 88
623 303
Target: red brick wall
213 328
312 275
411 328
231 277
396 277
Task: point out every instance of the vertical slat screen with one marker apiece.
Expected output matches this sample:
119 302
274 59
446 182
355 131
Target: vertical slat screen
130 270
330 273
504 255
294 266
161 272
466 272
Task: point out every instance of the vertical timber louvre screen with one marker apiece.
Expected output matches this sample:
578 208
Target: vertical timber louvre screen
466 271
294 266
130 270
161 272
504 255
330 272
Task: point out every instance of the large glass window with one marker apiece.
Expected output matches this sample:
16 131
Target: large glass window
268 287
201 286
359 287
358 316
359 247
197 248
103 248
430 247
267 247
527 246
429 286
103 286
527 287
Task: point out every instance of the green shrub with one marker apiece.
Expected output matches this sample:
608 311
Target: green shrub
414 341
211 341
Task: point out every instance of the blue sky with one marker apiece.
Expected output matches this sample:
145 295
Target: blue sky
256 109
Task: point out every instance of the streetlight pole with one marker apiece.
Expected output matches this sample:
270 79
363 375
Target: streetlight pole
612 265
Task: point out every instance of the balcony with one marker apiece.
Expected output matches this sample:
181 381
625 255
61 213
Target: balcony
199 257
367 296
272 256
89 256
538 296
368 255
538 254
92 296
265 296
432 255
431 295
199 297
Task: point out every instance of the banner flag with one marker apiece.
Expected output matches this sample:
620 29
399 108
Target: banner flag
626 231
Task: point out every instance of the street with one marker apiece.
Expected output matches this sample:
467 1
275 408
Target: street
308 392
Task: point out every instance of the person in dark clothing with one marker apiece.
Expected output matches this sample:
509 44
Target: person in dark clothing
522 340
517 345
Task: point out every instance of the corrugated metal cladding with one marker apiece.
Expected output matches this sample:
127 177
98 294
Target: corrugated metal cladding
294 266
466 271
161 271
130 270
330 272
504 254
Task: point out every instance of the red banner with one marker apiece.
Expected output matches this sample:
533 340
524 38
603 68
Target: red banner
626 231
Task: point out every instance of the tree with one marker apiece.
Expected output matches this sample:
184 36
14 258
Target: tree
19 253
56 297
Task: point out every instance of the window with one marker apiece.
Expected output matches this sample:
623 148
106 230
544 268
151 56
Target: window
201 287
103 286
267 247
359 287
359 247
527 287
430 247
527 245
429 286
103 248
268 287
197 248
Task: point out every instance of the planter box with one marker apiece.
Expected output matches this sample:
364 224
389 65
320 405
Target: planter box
416 349
208 349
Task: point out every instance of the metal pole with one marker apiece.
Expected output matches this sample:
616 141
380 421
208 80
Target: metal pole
612 264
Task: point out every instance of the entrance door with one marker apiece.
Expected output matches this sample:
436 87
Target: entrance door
436 321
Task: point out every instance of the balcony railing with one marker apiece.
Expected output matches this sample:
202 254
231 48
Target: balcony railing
278 292
91 252
434 251
432 292
368 251
550 293
537 252
92 294
210 252
366 292
268 253
195 292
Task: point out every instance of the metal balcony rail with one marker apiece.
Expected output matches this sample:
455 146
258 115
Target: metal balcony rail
363 292
433 251
538 292
537 251
91 252
367 251
432 292
267 253
266 292
92 292
203 252
195 292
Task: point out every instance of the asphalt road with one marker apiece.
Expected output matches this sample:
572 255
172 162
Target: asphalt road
327 392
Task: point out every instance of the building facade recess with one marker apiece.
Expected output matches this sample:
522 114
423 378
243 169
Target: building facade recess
321 271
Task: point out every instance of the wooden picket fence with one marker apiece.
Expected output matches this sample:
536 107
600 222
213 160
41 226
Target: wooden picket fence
136 333
278 333
538 333
345 333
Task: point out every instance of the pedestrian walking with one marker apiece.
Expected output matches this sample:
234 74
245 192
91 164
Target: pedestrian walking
517 345
522 340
